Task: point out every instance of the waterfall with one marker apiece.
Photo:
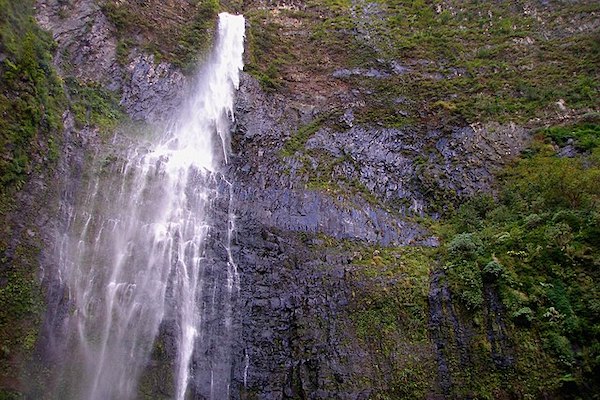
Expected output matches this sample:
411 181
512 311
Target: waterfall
135 256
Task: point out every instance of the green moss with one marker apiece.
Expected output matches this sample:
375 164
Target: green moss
10 395
389 314
158 379
93 105
298 139
31 97
21 308
386 311
17 297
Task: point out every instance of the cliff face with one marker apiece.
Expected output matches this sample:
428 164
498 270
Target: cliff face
361 128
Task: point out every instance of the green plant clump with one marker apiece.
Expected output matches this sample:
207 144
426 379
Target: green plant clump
538 246
93 105
584 136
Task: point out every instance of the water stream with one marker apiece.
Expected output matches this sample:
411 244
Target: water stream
135 253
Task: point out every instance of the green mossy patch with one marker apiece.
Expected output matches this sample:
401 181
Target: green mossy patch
297 141
93 105
389 314
31 98
268 51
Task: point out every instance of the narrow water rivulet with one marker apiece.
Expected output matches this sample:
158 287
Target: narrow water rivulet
134 254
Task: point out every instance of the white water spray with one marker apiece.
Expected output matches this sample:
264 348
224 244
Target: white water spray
135 255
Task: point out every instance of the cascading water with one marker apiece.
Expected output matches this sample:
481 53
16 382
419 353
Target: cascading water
134 255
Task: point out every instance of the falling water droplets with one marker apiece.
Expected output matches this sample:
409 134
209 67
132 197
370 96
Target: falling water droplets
135 252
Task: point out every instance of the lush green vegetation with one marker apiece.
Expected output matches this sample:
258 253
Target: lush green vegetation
538 246
93 105
523 271
31 97
584 136
31 105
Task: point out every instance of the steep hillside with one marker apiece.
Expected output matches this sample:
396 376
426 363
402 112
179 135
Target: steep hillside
416 187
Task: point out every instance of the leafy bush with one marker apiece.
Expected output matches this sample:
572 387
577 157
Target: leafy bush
560 347
585 136
543 234
523 316
466 281
465 246
532 221
493 271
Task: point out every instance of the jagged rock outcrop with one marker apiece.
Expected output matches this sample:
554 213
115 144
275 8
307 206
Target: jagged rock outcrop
272 189
87 46
150 91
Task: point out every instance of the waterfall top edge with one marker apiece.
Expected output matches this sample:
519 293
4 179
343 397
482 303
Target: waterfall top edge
229 15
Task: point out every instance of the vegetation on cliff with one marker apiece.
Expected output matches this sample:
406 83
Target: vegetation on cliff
536 248
175 31
438 62
31 105
31 96
507 307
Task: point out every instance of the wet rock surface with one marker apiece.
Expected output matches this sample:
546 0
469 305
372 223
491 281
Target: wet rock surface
152 91
400 167
294 341
296 336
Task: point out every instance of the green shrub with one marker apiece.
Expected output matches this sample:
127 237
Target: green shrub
493 271
523 316
586 136
533 221
466 281
465 246
93 105
560 347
